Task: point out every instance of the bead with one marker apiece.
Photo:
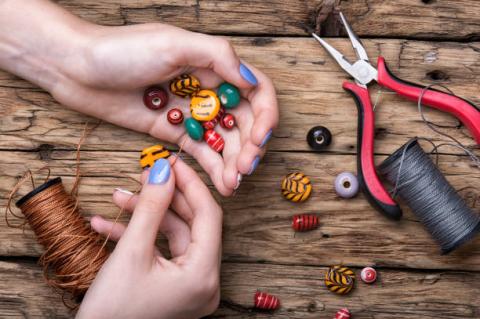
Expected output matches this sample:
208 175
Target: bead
319 137
155 98
340 279
296 187
346 185
304 222
185 85
150 154
194 129
215 140
228 121
204 105
210 125
343 313
229 95
265 301
368 275
175 116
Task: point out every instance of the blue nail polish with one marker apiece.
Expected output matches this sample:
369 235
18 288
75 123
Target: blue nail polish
248 75
266 138
255 163
160 172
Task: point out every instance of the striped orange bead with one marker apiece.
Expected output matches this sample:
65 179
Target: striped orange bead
340 279
185 85
296 187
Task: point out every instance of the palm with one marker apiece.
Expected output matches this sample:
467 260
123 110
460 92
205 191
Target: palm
112 88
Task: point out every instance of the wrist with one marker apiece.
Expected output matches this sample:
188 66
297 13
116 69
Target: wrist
48 49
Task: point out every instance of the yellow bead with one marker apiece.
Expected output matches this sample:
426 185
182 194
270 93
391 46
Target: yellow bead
296 187
340 279
205 105
185 85
151 154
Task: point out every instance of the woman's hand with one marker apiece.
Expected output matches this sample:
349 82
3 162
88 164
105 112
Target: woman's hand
118 63
137 281
103 72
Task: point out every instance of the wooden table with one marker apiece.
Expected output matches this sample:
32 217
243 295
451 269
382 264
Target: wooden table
423 41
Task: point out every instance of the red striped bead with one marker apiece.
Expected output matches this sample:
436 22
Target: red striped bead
210 125
343 313
266 301
215 140
304 222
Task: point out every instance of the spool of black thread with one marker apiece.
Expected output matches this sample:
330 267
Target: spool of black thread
422 186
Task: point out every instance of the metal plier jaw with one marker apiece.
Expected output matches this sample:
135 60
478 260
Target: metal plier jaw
363 73
361 70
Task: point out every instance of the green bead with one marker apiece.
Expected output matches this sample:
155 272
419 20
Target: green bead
194 129
229 95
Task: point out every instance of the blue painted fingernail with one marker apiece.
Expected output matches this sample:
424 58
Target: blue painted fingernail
160 172
255 163
248 75
266 138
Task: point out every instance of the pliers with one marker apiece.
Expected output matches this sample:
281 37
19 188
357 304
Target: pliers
364 73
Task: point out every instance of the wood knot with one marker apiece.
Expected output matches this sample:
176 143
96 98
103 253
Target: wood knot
325 19
437 75
45 151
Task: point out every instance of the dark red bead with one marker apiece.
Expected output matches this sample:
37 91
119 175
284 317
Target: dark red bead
228 121
155 98
175 116
210 125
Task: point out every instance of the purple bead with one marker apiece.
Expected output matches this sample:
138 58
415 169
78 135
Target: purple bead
346 185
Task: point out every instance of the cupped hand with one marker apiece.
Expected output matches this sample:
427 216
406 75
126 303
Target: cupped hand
107 78
137 281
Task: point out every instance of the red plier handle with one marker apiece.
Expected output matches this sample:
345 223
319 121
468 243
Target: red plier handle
466 112
367 174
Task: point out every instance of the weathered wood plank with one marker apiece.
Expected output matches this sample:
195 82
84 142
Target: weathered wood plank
377 18
309 90
257 219
301 289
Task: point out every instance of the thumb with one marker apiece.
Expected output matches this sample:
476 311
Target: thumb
153 202
216 53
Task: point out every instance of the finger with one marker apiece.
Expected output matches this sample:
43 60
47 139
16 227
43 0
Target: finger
107 228
172 226
177 233
216 53
181 207
124 199
264 105
211 161
231 151
152 204
206 229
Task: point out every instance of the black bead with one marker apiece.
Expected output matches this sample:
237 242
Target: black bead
319 137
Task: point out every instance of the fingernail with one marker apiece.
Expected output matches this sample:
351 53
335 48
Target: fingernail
160 172
266 138
124 191
239 180
247 74
254 165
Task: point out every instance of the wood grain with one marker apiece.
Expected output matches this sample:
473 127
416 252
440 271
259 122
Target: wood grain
447 19
396 294
309 89
257 219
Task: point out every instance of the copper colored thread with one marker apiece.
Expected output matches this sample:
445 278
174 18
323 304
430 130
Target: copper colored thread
73 251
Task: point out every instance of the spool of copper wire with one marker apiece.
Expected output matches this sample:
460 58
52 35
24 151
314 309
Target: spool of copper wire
73 253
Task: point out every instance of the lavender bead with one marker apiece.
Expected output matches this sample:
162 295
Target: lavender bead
346 185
